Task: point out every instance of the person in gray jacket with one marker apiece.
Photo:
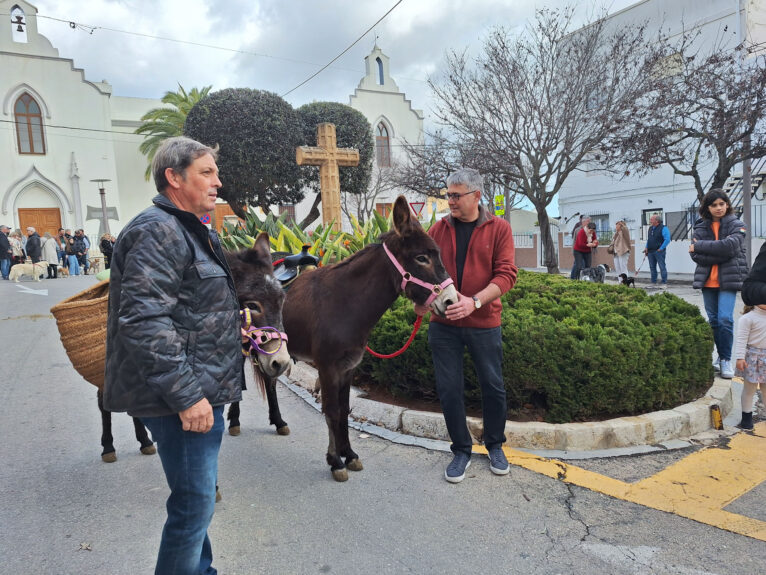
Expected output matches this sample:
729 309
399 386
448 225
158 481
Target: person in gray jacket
718 249
173 343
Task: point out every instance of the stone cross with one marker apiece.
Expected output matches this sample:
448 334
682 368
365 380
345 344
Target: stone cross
328 156
98 214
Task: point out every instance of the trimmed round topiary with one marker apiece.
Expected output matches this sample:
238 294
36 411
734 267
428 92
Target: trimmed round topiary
576 350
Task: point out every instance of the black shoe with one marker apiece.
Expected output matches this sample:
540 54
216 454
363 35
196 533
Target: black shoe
747 421
498 464
455 472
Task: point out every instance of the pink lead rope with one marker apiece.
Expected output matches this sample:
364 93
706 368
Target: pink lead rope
406 278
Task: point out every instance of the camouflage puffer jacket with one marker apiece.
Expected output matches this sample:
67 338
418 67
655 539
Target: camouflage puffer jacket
173 333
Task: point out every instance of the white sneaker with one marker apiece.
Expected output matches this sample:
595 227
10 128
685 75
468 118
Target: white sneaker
717 364
726 370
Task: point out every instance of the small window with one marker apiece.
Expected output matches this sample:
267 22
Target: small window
646 215
603 231
380 71
382 147
290 210
29 125
384 209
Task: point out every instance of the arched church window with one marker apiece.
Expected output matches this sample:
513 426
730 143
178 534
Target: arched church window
382 147
18 24
380 70
29 125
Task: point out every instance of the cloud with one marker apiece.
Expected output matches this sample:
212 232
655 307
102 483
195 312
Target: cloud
291 39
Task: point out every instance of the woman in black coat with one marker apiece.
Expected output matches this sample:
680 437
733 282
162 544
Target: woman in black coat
718 249
107 247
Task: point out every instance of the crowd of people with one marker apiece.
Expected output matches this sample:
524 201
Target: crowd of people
63 250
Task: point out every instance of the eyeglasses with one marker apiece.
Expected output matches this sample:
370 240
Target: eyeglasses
458 196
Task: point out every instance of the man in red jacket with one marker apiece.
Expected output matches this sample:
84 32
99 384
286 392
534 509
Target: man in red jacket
477 250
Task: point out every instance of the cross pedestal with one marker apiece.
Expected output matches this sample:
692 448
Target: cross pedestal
328 156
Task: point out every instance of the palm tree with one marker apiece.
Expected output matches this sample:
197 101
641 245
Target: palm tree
159 124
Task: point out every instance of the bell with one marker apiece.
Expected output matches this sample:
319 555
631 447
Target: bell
19 28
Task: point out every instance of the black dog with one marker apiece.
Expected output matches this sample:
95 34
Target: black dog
627 281
596 274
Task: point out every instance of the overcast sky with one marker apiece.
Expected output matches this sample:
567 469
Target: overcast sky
280 42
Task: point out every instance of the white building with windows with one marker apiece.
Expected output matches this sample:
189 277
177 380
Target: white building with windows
58 132
662 192
393 119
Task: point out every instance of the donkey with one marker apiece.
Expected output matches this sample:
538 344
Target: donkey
261 293
329 313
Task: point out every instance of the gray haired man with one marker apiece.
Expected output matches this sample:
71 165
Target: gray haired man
477 250
173 343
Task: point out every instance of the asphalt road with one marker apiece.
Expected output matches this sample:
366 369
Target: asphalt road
63 511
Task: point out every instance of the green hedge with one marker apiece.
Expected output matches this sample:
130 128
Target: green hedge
578 350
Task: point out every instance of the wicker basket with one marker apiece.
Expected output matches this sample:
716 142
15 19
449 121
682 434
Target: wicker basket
81 320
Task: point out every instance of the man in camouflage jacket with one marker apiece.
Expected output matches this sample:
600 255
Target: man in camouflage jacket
173 342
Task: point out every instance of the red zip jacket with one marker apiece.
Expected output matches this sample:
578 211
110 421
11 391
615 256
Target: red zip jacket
490 259
581 242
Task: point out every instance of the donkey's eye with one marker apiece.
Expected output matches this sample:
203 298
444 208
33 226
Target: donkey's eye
425 260
254 306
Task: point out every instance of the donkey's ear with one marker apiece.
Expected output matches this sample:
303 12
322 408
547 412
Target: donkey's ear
404 223
261 250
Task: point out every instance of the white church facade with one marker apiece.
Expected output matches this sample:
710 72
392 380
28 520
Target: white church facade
61 133
58 132
662 192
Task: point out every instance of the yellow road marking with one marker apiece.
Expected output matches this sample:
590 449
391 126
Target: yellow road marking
698 487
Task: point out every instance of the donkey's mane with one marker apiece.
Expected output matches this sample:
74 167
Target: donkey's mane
368 249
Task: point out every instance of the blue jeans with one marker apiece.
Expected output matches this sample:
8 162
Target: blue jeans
657 258
74 266
190 461
581 261
719 307
5 267
486 348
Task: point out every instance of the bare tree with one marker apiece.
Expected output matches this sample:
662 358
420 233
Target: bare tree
531 107
361 205
702 109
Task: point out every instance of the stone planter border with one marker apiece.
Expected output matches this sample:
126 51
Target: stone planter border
653 428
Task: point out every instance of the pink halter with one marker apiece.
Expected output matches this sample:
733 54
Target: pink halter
407 278
260 335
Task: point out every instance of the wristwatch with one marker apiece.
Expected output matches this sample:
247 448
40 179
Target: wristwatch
476 302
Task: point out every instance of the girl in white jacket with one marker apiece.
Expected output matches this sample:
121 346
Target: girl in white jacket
751 358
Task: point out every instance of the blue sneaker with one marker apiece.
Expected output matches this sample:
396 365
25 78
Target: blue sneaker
498 464
455 472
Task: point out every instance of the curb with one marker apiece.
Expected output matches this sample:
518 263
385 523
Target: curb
659 428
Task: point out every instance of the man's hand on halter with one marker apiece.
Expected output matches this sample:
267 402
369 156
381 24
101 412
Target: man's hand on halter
198 418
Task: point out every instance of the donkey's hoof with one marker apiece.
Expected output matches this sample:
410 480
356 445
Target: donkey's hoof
284 430
234 430
218 495
149 450
340 475
109 457
354 465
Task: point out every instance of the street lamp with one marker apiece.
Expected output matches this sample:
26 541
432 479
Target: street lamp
102 192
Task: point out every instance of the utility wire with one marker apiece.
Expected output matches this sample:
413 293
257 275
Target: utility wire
323 68
89 28
122 133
